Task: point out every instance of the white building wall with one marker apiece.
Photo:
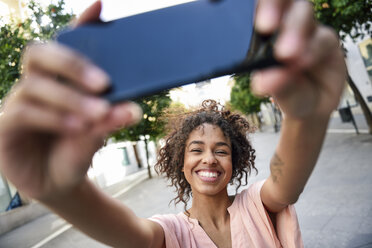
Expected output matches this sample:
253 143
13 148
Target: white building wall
357 69
109 165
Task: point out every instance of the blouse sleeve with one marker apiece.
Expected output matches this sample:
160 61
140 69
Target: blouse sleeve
287 227
169 224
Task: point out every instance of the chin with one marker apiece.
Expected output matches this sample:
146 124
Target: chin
209 190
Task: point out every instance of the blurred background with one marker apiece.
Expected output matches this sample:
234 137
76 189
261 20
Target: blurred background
123 167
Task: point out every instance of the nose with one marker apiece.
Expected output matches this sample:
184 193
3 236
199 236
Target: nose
209 158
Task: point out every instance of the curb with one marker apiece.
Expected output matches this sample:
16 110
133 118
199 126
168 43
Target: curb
17 217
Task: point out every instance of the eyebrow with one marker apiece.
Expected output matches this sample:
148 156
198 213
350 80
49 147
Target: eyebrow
198 142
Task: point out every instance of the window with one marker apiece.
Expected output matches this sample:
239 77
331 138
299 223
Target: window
125 160
365 48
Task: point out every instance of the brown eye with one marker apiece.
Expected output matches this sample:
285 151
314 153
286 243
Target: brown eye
196 150
222 152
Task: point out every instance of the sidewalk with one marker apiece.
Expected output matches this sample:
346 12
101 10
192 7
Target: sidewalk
336 124
335 209
47 223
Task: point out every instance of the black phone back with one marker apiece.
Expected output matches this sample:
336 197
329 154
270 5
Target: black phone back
166 48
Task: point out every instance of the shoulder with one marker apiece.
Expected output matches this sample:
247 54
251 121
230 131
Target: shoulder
176 228
252 211
251 194
169 221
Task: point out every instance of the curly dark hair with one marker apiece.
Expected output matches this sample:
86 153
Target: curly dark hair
234 126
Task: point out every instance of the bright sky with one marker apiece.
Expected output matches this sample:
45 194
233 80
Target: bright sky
113 9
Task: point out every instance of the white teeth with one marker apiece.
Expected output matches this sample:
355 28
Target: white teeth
207 174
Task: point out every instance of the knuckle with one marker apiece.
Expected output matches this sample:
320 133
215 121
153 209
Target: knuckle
31 51
329 35
75 64
303 8
28 85
19 111
329 32
27 56
74 100
31 56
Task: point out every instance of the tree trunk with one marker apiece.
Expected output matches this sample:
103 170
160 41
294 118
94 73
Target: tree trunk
136 155
147 158
258 121
366 111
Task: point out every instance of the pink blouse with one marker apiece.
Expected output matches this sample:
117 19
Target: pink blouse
250 225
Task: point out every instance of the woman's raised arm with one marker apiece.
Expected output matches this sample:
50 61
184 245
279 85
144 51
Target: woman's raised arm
49 132
307 89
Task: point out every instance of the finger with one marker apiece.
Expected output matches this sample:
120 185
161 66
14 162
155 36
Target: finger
56 59
326 60
270 81
298 27
27 116
91 14
122 115
323 43
269 13
57 96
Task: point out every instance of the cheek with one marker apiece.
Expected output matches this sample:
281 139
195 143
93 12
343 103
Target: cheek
186 169
229 169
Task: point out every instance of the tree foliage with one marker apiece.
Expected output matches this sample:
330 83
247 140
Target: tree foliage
241 96
12 42
151 124
42 24
347 17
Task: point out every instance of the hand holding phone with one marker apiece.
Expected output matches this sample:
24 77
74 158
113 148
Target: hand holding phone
166 48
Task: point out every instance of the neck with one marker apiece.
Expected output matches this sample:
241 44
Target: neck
211 210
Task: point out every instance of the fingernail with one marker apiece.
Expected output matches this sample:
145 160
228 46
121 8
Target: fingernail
96 78
136 113
95 108
288 45
267 18
256 84
256 77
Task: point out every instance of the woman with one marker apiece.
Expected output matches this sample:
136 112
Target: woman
50 130
206 150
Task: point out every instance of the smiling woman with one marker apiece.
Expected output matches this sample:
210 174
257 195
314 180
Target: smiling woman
206 150
209 135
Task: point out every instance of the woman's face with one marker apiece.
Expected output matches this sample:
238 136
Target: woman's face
207 161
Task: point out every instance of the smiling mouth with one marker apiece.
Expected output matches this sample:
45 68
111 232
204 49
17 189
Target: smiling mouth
208 176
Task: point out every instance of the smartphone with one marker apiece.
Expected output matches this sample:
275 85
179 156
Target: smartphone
166 48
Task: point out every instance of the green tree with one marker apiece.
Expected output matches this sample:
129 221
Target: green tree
42 24
152 126
349 18
242 98
12 42
45 23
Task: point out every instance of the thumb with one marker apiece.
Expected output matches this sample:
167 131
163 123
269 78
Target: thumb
91 14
